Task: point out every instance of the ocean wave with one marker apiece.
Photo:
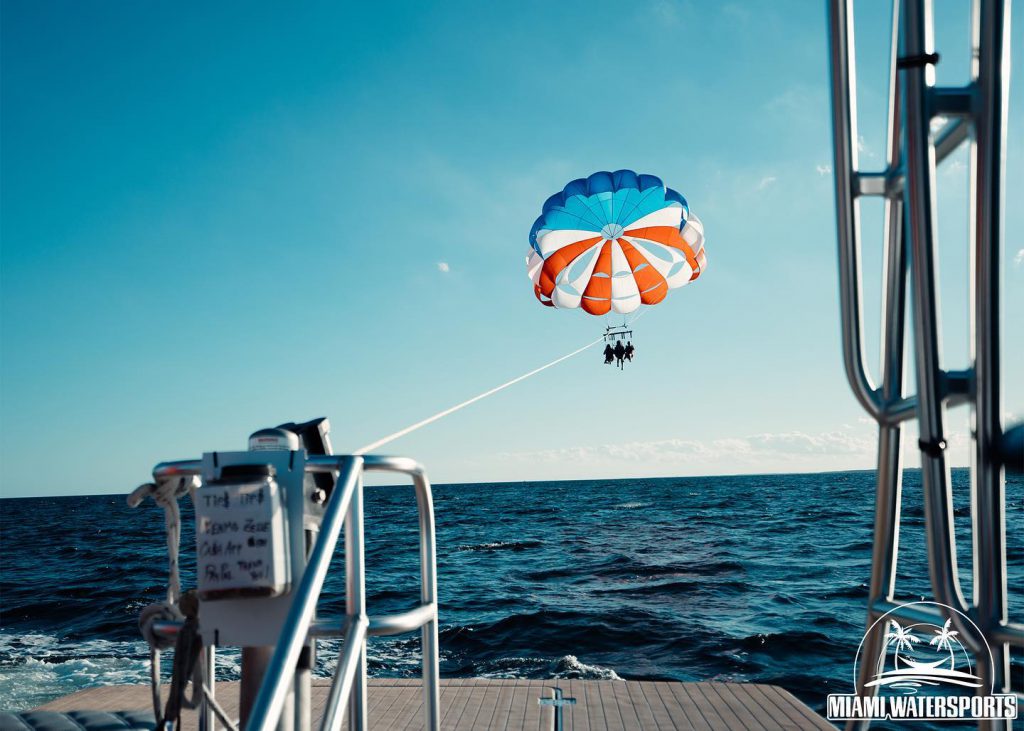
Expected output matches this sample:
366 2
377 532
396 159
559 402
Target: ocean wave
502 546
621 566
784 644
678 587
856 591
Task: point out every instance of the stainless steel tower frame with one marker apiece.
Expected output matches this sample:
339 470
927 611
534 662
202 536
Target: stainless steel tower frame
283 701
976 117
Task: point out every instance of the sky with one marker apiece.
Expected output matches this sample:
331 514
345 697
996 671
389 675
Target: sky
220 217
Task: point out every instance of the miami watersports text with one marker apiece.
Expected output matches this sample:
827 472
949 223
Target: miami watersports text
845 707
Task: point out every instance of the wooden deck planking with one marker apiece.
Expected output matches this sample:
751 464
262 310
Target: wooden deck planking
517 713
476 704
651 715
612 715
713 709
791 702
746 717
498 717
580 720
690 716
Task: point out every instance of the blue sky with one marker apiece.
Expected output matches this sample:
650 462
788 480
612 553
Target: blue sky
218 217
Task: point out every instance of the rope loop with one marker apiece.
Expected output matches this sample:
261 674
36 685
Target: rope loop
161 612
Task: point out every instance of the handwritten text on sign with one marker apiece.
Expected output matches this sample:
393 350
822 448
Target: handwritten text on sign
240 540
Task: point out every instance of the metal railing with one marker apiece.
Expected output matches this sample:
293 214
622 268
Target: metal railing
344 511
346 506
975 115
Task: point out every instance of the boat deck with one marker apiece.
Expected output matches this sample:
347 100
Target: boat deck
476 704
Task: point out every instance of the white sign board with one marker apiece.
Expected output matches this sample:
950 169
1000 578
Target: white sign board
240 540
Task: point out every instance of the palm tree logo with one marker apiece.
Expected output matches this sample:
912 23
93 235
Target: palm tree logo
944 639
930 663
914 654
903 638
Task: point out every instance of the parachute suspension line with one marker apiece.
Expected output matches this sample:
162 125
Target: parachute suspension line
451 410
639 313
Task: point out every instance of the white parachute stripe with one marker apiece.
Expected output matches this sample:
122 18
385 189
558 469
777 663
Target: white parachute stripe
551 241
569 294
534 265
620 265
625 293
565 300
626 305
682 277
580 282
693 234
668 216
670 260
659 256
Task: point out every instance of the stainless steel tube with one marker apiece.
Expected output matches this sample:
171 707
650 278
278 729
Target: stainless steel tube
348 666
180 468
888 494
428 596
270 701
355 603
920 196
428 580
844 135
208 658
950 137
988 488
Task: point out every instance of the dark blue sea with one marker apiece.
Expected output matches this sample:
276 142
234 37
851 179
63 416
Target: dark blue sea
749 578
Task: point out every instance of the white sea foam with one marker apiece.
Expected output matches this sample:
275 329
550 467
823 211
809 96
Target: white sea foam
566 667
37 668
570 667
394 654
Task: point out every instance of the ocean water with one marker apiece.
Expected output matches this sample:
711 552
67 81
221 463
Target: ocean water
749 578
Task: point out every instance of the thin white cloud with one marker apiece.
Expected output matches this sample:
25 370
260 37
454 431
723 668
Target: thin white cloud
1019 258
824 169
766 181
746 451
864 149
851 447
954 167
797 101
442 266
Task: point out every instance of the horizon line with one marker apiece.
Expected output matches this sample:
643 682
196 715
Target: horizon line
546 482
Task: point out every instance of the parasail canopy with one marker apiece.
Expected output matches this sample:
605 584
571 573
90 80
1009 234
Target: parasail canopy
612 242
